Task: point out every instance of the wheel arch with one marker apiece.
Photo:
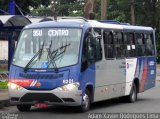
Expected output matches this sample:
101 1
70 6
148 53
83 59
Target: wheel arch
90 88
137 83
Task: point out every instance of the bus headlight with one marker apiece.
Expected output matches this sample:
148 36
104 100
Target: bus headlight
69 87
13 86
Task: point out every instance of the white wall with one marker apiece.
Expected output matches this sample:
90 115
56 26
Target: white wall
3 50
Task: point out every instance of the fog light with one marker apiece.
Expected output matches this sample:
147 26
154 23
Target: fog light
69 87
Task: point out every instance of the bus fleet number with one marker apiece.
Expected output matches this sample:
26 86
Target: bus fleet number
67 81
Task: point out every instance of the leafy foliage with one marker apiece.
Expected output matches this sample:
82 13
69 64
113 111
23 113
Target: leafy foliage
63 8
3 85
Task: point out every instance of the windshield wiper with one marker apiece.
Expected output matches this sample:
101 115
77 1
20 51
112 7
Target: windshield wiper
32 59
55 55
50 56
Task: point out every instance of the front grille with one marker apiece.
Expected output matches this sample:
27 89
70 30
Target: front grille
40 76
68 100
40 97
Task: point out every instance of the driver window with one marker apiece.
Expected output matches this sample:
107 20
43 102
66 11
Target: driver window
92 51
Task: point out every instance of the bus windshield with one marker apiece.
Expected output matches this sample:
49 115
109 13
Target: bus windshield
48 48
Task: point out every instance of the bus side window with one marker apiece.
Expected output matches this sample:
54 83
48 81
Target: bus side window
108 45
90 48
98 49
84 64
85 52
92 51
94 48
129 37
119 45
140 44
149 45
97 44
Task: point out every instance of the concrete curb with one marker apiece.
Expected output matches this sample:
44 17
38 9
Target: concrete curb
4 103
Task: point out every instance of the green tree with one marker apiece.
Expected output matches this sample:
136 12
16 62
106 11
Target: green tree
66 7
42 11
118 10
62 8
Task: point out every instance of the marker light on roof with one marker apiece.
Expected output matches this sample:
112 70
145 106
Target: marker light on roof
81 25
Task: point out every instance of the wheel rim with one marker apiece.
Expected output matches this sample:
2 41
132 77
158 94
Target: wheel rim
134 94
86 101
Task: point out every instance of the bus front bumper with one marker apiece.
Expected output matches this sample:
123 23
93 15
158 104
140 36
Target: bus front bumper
51 97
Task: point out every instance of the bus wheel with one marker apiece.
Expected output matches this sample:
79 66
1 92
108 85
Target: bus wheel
86 102
133 95
23 108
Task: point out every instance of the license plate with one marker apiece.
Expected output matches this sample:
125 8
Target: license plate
41 105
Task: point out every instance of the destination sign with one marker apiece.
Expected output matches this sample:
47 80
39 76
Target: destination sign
58 32
52 32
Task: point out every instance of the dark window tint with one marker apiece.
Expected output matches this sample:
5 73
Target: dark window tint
108 45
98 49
92 46
129 40
140 44
97 42
149 45
119 45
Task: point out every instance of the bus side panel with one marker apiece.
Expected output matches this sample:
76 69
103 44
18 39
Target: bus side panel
151 73
146 68
131 66
110 77
87 77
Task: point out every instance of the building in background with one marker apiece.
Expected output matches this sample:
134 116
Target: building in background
3 50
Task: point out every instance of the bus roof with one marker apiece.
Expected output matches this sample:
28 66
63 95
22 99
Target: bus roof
137 28
55 24
95 23
126 28
89 23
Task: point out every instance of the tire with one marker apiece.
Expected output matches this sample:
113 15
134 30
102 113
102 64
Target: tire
133 95
86 102
23 108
